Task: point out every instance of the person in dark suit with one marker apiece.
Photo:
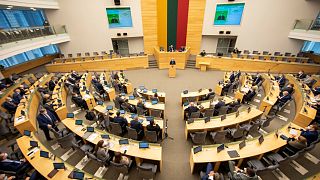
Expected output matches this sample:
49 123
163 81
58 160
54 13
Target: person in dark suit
16 97
47 121
79 101
100 88
52 84
206 97
249 96
131 108
288 88
316 90
234 104
171 49
154 127
50 107
281 81
310 133
172 62
9 105
203 53
135 124
20 167
135 93
283 99
75 75
297 144
90 115
226 87
192 108
141 105
238 74
94 80
218 106
120 99
122 121
301 75
257 80
76 88
232 77
116 76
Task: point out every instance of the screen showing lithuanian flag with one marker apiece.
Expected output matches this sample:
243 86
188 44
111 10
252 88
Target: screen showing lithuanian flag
228 14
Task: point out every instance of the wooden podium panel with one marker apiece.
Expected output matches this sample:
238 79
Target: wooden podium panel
203 65
172 71
163 58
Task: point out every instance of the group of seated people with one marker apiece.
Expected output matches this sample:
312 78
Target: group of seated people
233 81
5 83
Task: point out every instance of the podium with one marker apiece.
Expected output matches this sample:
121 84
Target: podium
172 71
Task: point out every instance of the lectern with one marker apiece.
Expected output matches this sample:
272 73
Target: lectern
172 71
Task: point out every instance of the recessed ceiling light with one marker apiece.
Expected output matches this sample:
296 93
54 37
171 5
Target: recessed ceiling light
10 6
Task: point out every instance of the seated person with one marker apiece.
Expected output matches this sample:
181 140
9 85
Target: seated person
232 77
71 80
257 80
120 99
16 96
101 150
75 75
237 173
76 88
189 110
316 106
9 105
281 80
310 133
249 96
308 81
130 107
43 90
116 76
122 121
238 74
234 104
79 101
316 90
94 80
52 83
218 106
104 120
207 96
288 88
154 127
297 144
135 93
135 124
301 75
90 115
141 105
203 53
226 87
283 99
20 167
155 97
120 159
209 174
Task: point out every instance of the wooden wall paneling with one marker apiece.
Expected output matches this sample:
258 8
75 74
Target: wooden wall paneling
149 24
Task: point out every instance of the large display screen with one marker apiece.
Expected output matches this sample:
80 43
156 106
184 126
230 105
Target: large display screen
119 17
228 14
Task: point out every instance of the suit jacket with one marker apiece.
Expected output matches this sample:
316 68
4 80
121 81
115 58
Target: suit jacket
136 125
99 87
78 100
219 105
311 136
121 120
251 94
289 89
10 107
302 76
52 84
232 77
135 94
153 128
284 99
257 80
10 165
282 81
16 97
116 76
192 109
120 100
44 121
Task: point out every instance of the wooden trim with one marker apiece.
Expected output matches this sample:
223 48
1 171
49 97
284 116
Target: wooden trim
149 24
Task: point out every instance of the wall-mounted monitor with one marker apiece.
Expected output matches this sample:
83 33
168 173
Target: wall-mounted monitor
119 17
228 14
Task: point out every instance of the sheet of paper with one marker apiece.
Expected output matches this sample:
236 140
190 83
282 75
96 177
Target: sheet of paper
293 132
92 137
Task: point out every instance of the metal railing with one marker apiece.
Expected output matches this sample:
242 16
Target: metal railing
307 24
18 34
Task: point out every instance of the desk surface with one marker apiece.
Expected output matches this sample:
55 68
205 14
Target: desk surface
195 93
43 165
152 153
207 103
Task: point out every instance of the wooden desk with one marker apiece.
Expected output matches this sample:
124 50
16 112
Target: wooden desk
123 63
216 123
196 94
153 153
159 106
249 65
30 107
44 165
86 81
172 71
126 83
302 118
272 91
269 57
60 93
148 94
252 149
246 81
10 90
110 91
203 65
163 58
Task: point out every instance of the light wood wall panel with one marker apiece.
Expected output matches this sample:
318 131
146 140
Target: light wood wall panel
163 58
249 65
100 65
195 23
149 24
162 23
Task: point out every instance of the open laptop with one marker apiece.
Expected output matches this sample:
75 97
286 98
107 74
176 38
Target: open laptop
90 130
76 175
44 154
105 136
27 133
149 118
79 122
143 145
70 115
131 97
154 90
220 148
261 139
206 119
123 141
109 107
197 149
242 144
154 102
56 166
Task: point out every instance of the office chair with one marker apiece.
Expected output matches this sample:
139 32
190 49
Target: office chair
155 113
237 133
260 165
266 122
140 111
151 136
219 137
253 127
116 129
223 110
198 137
59 134
147 170
116 104
195 114
132 133
121 168
208 113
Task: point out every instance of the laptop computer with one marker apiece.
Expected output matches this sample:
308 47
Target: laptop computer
143 145
145 90
154 102
123 94
56 166
131 97
261 139
154 90
186 103
220 148
44 154
233 153
76 175
78 122
105 136
141 87
122 111
27 133
206 119
133 116
33 144
197 149
123 141
90 130
70 115
109 107
149 118
242 144
100 103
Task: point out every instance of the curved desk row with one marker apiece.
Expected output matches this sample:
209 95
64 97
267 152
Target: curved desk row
216 123
10 90
44 165
249 65
29 106
147 94
60 94
252 149
101 65
153 153
271 91
196 95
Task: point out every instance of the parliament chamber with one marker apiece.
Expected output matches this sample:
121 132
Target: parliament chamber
159 89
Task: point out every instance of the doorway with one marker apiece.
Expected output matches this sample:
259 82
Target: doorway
121 46
226 45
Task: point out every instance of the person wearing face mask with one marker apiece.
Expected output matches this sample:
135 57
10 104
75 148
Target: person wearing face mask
19 167
46 122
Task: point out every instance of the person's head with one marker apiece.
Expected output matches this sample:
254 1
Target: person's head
52 78
17 90
134 89
312 127
155 95
46 96
43 111
210 90
136 118
250 172
302 139
152 123
118 113
254 88
140 101
117 157
285 93
3 156
239 100
203 50
191 103
220 99
301 72
126 100
100 144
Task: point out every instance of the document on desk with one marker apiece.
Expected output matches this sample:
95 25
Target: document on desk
19 119
86 97
293 132
124 148
92 136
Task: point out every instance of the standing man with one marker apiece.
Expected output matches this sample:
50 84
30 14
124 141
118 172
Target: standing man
46 122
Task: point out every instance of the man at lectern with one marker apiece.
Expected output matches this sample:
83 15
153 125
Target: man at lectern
172 62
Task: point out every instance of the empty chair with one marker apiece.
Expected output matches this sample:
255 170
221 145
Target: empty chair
253 128
235 108
246 52
265 52
272 58
219 137
266 122
287 54
121 168
237 133
267 170
132 133
261 57
151 136
255 52
223 110
258 165
190 99
198 137
140 111
208 112
147 170
69 55
116 104
67 141
125 108
116 129
195 114
78 54
60 133
155 113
